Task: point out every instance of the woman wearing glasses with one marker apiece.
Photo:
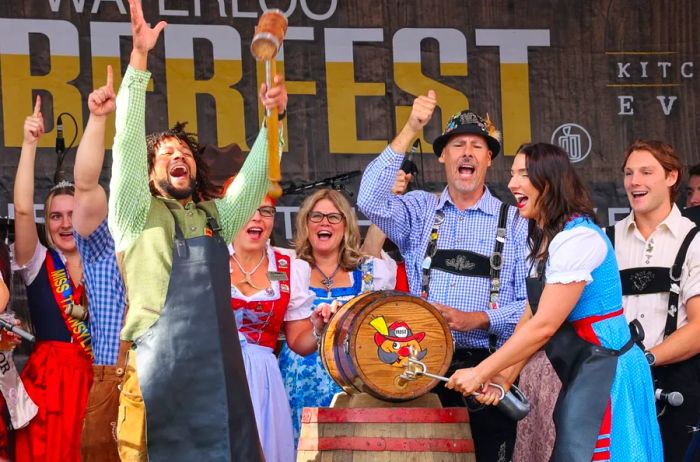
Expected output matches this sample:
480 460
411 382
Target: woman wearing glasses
268 292
327 244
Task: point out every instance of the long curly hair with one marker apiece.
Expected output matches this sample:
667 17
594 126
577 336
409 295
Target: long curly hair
562 194
203 189
350 254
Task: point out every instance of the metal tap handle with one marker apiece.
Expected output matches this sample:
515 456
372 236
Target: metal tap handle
514 404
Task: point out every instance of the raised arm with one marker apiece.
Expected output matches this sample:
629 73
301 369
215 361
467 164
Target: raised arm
144 37
421 113
26 236
130 196
374 237
246 192
375 198
90 199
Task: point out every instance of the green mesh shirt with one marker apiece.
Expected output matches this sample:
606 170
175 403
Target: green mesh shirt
143 226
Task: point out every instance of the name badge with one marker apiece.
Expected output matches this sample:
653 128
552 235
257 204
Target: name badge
276 276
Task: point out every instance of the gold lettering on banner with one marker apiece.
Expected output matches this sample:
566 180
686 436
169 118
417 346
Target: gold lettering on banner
179 83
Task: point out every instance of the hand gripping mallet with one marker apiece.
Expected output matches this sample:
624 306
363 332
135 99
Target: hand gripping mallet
267 41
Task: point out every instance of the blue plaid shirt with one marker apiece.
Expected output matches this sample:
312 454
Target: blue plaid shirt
105 292
408 220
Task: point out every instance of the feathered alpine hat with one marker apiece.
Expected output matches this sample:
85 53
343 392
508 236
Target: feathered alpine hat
470 122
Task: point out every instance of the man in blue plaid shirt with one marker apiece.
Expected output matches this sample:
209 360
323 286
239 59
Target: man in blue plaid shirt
103 282
453 257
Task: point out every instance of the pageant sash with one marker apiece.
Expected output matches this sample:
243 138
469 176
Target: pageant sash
62 290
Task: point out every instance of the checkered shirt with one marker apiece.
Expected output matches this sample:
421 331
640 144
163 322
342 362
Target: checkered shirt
408 220
105 292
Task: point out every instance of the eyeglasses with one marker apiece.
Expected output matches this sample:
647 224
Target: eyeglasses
333 218
267 211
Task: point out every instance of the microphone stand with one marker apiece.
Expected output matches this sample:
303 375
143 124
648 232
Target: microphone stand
335 182
61 152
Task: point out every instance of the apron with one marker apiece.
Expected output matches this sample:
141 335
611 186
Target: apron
189 363
587 372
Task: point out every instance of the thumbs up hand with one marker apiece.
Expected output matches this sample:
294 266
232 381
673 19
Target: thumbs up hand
422 111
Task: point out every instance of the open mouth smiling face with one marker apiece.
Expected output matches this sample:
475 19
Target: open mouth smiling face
60 222
646 182
524 192
257 231
174 169
324 235
179 171
466 158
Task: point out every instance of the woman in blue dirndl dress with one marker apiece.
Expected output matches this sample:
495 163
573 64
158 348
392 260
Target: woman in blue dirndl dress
327 245
605 410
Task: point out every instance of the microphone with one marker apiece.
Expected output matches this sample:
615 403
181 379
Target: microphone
673 398
408 166
60 142
16 330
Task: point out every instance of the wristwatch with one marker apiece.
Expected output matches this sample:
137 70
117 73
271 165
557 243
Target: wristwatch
651 357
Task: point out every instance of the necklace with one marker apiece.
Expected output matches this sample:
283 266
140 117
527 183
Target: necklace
327 281
248 274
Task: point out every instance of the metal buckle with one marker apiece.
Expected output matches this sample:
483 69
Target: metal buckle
674 279
439 218
496 261
501 234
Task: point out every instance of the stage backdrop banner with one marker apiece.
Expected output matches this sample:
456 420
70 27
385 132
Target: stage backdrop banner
589 76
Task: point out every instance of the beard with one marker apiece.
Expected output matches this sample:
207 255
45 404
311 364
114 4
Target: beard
170 190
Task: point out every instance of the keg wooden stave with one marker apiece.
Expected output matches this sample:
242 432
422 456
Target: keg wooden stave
385 434
352 340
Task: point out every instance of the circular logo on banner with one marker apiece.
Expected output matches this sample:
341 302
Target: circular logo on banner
574 139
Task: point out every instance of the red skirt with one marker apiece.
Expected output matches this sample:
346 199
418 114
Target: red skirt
4 437
58 377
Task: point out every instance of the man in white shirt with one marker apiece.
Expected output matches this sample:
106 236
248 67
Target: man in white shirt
664 301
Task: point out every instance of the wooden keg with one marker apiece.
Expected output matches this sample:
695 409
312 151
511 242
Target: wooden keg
385 434
366 344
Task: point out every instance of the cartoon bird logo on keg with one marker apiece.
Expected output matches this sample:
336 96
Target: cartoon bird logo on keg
396 341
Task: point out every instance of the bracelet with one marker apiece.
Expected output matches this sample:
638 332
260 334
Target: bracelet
315 334
280 117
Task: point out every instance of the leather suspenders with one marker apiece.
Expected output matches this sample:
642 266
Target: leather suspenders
495 262
650 280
